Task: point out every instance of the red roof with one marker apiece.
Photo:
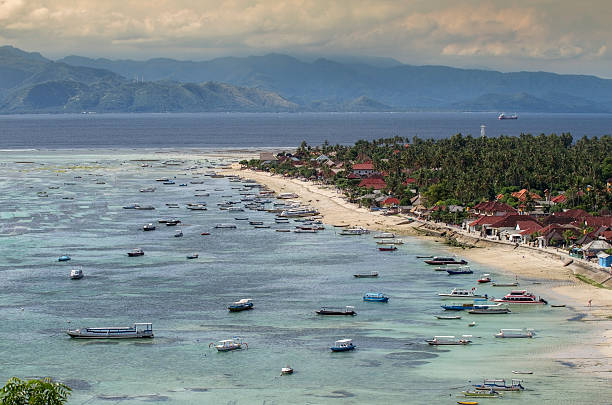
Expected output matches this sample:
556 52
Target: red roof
494 206
522 195
528 227
596 222
353 176
373 182
363 166
391 201
559 199
575 213
409 180
607 235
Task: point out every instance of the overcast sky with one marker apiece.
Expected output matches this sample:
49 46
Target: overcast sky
565 36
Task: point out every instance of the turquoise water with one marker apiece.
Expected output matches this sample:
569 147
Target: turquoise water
287 275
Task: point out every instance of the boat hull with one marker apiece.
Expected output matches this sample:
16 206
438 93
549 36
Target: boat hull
342 349
322 312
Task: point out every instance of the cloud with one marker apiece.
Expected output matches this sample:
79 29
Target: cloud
480 32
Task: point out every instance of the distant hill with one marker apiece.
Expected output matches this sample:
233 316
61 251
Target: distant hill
276 82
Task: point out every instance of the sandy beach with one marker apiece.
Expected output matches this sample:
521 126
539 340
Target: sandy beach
546 271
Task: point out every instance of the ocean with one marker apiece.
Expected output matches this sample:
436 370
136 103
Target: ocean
286 130
59 202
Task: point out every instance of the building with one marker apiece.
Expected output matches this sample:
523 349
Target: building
364 169
604 259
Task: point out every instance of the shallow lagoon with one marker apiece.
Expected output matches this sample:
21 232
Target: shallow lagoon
287 275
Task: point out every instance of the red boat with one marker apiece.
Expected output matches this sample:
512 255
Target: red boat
387 248
486 278
521 297
205 233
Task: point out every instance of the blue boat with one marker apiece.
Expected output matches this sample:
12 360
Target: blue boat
63 258
241 305
375 297
343 345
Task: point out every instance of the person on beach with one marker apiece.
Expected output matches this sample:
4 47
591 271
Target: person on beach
589 303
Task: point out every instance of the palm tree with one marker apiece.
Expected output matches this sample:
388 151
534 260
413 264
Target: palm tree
34 392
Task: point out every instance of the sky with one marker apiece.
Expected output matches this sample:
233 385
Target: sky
565 36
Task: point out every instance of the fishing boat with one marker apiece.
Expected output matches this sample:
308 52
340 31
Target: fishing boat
193 256
225 226
375 297
137 331
262 226
372 274
521 297
304 230
384 235
147 190
162 179
437 260
449 340
343 345
63 258
169 182
481 394
460 270
205 233
515 284
389 248
283 230
76 274
485 278
255 222
494 309
348 310
472 324
241 305
500 385
173 222
178 234
298 212
135 252
467 402
286 370
447 317
515 333
227 345
521 372
148 227
144 207
354 231
458 306
462 293
390 242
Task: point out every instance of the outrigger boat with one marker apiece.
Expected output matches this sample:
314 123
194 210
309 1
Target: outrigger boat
460 270
375 297
449 340
480 394
486 278
437 260
136 252
241 305
373 274
447 317
348 310
462 293
515 333
139 330
390 242
63 258
489 309
229 344
389 248
343 345
500 385
354 231
384 235
521 297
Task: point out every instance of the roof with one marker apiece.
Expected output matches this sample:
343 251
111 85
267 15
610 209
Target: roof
528 227
522 195
597 244
574 213
391 201
494 206
363 166
409 180
559 199
598 221
375 183
353 176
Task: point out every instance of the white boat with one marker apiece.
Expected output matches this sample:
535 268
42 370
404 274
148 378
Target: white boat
354 231
462 293
139 330
225 226
286 370
227 345
298 212
76 274
178 234
384 235
515 333
390 242
286 196
449 340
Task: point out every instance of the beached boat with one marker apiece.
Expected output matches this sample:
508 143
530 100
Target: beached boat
485 278
389 248
500 385
462 293
135 252
372 274
225 226
137 331
467 402
354 231
521 297
148 227
343 345
348 310
227 345
76 274
449 340
438 260
481 394
515 333
447 317
460 270
375 297
384 235
286 196
193 256
515 284
63 258
241 305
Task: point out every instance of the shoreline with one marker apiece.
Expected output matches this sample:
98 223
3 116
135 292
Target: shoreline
537 267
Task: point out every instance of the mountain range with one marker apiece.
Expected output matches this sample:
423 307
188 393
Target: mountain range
30 83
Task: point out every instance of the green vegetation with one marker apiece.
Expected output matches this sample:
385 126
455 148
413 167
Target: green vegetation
587 280
34 392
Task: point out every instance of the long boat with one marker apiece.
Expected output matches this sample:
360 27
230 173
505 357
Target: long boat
137 331
437 260
515 333
372 274
449 340
500 385
348 310
462 293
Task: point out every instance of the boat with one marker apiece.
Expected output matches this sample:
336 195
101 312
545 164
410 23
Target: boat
472 324
205 233
467 402
304 230
372 274
521 372
485 278
389 248
227 345
449 340
343 345
137 331
375 297
447 317
144 207
481 394
225 226
261 226
63 258
437 260
255 222
76 274
286 196
521 297
557 306
503 116
515 284
390 242
458 306
148 227
178 234
515 333
489 309
147 190
384 235
241 218
462 293
354 231
299 212
500 385
286 370
169 182
193 256
460 270
241 305
162 179
136 252
348 310
283 230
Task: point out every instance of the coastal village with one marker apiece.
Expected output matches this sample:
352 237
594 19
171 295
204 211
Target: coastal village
520 216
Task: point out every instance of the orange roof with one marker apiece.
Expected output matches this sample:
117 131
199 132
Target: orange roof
363 166
522 195
391 201
559 199
375 183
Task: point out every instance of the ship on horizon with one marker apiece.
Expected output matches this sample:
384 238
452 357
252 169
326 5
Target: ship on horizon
503 116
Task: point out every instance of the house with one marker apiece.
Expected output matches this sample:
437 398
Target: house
494 208
595 247
555 234
560 199
376 183
604 259
364 169
390 201
267 157
522 195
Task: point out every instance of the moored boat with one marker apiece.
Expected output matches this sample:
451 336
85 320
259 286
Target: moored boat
515 284
178 234
375 297
148 227
63 258
388 248
348 310
447 317
459 270
225 226
485 278
449 340
138 330
372 274
227 345
481 394
486 309
241 305
500 385
136 252
462 293
343 345
76 274
354 231
384 235
515 333
437 260
286 370
193 256
521 297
